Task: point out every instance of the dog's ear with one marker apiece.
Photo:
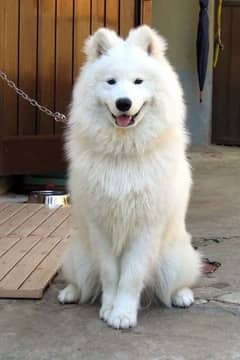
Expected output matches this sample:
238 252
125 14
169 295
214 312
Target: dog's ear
99 43
149 40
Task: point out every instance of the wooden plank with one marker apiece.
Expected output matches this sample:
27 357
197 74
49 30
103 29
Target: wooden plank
64 57
47 149
52 222
34 222
146 12
112 14
27 65
63 230
44 273
10 225
9 64
21 294
127 15
46 63
3 206
81 32
6 243
9 211
23 269
97 15
28 263
16 253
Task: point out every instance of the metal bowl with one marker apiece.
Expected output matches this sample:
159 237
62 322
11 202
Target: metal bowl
50 198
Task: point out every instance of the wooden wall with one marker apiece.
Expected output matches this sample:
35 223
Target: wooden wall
40 49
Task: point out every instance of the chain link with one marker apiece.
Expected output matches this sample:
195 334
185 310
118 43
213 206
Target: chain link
56 115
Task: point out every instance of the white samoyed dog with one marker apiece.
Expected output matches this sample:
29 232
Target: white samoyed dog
129 179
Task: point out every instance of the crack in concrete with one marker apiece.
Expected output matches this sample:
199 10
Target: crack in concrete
226 306
205 241
223 305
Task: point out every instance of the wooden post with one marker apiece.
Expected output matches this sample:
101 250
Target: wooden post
146 12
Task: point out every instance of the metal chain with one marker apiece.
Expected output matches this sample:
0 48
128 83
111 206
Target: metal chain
56 115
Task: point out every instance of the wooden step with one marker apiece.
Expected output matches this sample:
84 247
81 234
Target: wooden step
32 242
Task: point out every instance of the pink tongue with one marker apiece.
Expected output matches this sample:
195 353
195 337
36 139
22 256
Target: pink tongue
123 120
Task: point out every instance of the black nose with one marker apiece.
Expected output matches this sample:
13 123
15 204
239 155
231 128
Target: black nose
123 104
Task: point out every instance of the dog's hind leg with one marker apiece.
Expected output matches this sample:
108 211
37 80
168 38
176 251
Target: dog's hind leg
70 294
178 270
79 271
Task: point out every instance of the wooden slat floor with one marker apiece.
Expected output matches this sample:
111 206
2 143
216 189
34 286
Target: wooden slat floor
32 241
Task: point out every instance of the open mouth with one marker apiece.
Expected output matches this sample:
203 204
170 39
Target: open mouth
125 120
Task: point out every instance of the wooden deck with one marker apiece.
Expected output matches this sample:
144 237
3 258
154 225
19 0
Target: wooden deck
32 240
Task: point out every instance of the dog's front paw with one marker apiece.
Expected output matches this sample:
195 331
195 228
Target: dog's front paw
120 319
105 311
183 298
107 304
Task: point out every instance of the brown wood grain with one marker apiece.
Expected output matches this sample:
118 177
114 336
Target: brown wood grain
46 64
16 253
52 223
234 76
8 211
23 269
146 17
226 82
21 294
45 271
112 14
26 211
6 243
127 16
31 224
81 32
63 229
41 49
220 76
97 15
38 155
27 65
3 206
9 64
29 262
64 57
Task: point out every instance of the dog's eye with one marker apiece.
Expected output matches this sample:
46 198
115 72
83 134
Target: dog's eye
111 81
138 81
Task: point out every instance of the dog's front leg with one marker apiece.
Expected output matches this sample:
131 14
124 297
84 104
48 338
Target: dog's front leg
135 266
109 270
109 273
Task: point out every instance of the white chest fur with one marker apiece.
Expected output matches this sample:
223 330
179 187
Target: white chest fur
122 194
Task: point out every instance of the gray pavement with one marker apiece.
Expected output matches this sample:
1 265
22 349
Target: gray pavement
210 329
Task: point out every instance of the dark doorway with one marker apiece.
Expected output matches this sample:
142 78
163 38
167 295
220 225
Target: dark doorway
226 83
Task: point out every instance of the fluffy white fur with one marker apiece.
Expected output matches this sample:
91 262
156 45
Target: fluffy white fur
129 186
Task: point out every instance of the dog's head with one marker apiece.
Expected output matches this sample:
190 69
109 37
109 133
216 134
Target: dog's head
124 82
127 84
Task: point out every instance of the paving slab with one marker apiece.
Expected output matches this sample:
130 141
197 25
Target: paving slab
215 202
210 329
230 298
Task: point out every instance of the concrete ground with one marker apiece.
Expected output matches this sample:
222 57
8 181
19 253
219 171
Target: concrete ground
210 329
